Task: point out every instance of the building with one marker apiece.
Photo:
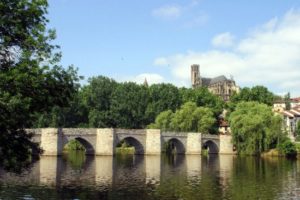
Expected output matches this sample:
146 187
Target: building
280 105
295 102
291 119
220 85
224 127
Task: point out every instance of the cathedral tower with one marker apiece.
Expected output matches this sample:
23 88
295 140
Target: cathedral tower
195 76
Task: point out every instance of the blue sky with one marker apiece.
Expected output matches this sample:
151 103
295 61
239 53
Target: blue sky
257 42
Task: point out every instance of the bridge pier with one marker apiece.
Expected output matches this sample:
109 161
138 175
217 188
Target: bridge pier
193 145
51 141
226 146
105 142
153 141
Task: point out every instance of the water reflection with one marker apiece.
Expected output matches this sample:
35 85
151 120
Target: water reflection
155 177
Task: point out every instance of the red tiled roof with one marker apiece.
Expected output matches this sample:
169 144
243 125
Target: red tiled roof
297 99
295 112
288 113
296 108
223 123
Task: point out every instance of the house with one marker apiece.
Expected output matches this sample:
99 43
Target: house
291 119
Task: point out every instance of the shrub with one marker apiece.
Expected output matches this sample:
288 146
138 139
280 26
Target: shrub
287 148
74 145
298 147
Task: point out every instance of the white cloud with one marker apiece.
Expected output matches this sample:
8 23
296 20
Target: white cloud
223 40
151 78
167 12
269 55
188 13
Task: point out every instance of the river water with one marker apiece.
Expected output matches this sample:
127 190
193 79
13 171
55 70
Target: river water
77 176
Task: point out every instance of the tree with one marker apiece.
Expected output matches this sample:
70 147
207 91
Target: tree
206 123
287 101
255 128
163 121
30 78
97 97
259 94
297 131
128 105
183 119
188 118
162 97
202 97
73 115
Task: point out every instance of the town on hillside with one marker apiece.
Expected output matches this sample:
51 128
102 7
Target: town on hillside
225 88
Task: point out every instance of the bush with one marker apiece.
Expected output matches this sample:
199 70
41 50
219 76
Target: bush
74 145
287 148
297 138
125 150
298 147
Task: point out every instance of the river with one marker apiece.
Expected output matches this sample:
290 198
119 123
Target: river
189 177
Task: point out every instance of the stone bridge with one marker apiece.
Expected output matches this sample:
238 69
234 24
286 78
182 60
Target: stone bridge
146 141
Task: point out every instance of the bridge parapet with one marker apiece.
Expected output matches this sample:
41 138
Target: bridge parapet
79 131
210 136
35 131
130 131
174 134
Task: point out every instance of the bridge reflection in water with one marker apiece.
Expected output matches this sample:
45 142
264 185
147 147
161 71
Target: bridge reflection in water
105 171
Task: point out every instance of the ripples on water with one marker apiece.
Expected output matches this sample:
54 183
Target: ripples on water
77 176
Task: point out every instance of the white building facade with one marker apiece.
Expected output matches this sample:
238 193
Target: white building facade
291 119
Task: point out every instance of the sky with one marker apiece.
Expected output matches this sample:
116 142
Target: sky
255 42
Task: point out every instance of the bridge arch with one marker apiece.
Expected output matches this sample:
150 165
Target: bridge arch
176 145
89 148
211 146
138 146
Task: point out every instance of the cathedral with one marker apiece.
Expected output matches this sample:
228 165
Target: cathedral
220 85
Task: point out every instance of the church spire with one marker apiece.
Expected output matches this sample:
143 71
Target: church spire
145 82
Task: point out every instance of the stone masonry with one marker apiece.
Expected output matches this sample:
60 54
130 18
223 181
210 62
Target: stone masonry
146 141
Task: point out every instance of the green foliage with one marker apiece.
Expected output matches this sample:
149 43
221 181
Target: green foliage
162 97
74 145
163 121
202 97
184 118
97 97
74 115
297 147
125 150
128 105
31 80
287 101
188 118
288 148
104 102
255 128
297 130
258 94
